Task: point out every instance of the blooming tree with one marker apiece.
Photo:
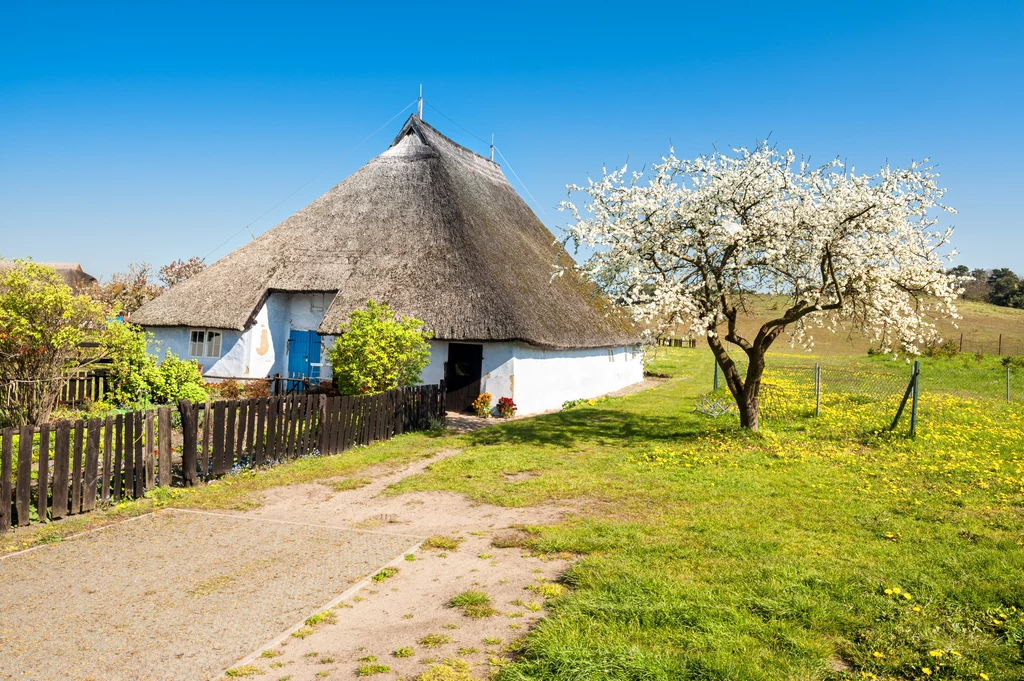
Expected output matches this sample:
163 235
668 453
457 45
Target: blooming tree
689 244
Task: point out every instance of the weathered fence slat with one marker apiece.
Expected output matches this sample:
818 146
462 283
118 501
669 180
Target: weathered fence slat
140 459
23 489
289 446
341 414
43 478
205 454
130 425
149 454
250 429
229 433
5 478
309 428
190 437
61 445
218 438
165 437
260 433
92 465
108 434
118 470
243 416
270 439
76 469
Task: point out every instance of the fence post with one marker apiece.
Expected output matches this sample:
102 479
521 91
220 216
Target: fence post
1007 385
961 342
1000 344
817 389
913 404
190 435
716 375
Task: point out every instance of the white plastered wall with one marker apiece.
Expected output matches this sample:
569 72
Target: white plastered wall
261 350
540 380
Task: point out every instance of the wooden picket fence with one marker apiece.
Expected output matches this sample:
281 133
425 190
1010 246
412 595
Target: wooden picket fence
78 465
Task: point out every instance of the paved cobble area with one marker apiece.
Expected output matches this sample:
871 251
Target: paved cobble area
172 595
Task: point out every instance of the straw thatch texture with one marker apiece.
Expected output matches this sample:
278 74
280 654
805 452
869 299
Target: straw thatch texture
429 227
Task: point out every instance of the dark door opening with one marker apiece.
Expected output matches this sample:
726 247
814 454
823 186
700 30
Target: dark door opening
462 375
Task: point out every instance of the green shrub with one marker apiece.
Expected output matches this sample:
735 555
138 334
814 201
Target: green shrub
135 377
378 351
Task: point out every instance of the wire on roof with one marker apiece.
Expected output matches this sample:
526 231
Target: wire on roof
344 153
452 121
528 192
509 165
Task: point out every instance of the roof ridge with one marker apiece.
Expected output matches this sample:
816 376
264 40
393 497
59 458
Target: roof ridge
414 121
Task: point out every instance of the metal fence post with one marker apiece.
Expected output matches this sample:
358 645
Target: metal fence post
716 375
817 389
913 405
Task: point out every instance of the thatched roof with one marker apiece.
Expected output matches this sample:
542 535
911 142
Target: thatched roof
72 272
429 227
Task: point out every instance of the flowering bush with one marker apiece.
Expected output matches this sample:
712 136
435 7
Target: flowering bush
482 405
506 408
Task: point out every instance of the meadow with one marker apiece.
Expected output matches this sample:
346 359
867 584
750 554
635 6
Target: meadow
820 548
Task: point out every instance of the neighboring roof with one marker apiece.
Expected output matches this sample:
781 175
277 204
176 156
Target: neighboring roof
72 272
429 227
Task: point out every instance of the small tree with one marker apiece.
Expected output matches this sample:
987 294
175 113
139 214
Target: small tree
378 351
126 292
42 326
180 270
690 245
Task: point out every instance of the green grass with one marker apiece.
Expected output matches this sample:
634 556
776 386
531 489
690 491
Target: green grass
475 604
715 553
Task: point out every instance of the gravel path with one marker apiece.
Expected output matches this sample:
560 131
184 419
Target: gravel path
172 595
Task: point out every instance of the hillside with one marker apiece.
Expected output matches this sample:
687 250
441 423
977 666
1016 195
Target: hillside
981 327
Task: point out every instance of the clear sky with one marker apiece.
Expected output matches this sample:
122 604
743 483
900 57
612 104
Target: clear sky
152 131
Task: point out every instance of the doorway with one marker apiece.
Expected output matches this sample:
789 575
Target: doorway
462 374
303 354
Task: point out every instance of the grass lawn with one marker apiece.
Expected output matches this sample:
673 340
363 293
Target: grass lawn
814 550
819 549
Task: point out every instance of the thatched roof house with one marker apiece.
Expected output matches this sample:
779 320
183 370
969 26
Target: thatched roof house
429 227
72 272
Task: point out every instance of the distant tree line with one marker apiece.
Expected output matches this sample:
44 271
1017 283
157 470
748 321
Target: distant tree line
999 286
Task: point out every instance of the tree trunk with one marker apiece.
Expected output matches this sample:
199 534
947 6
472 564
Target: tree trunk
746 391
749 403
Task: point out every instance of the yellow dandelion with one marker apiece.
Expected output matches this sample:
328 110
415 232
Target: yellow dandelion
878 655
927 671
936 653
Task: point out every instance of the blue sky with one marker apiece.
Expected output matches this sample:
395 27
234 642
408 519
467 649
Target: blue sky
148 132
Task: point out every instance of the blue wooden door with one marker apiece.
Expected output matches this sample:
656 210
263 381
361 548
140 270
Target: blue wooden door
303 353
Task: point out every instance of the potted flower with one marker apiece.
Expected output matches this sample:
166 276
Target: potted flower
482 405
506 408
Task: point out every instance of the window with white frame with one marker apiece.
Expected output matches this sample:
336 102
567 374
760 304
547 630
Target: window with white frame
204 343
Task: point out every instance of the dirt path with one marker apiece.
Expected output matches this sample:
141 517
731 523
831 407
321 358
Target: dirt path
400 612
172 595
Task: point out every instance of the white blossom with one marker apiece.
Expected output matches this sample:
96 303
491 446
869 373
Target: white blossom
686 243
